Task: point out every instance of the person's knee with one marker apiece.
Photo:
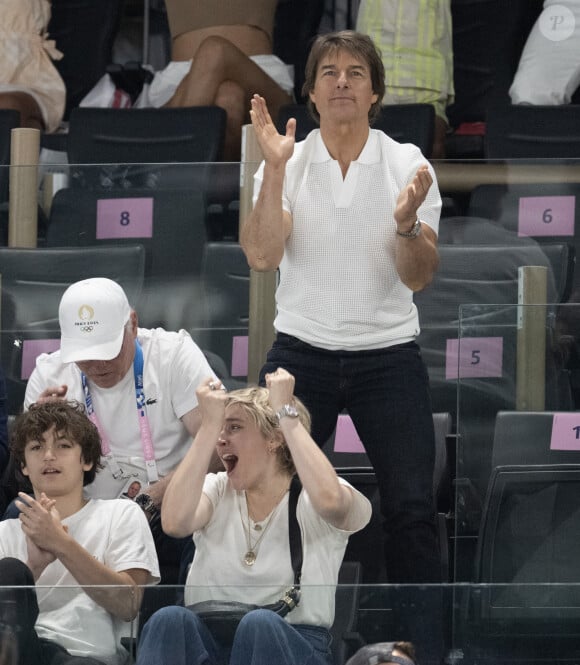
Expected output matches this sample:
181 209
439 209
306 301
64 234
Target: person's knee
14 572
213 49
257 622
173 615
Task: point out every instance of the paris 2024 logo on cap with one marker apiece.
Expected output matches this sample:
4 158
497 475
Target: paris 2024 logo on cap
86 315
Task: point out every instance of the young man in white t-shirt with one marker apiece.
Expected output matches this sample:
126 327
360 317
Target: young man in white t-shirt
70 547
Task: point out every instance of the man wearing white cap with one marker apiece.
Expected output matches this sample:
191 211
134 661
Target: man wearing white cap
138 386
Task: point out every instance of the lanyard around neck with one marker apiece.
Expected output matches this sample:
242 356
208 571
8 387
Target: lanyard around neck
144 428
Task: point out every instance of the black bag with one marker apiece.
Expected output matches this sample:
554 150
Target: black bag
223 616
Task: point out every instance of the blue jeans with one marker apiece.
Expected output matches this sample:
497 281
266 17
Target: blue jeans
386 393
176 636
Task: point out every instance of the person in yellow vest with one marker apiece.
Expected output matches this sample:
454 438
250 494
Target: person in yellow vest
414 38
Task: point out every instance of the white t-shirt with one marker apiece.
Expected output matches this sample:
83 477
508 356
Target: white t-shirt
174 366
117 534
219 572
339 287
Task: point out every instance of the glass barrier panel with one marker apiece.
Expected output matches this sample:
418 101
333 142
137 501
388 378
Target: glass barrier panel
516 369
460 623
169 234
70 616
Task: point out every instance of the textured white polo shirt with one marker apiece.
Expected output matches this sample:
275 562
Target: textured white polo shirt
339 287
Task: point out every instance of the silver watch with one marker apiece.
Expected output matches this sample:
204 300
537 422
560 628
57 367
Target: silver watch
413 232
287 410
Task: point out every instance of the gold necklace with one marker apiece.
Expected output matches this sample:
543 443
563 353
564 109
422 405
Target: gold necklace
251 555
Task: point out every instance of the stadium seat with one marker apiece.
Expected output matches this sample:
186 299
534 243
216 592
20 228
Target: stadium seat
483 281
225 282
146 136
535 437
33 281
546 212
169 223
480 275
525 131
528 607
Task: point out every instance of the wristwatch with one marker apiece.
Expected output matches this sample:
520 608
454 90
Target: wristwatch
413 232
146 502
287 410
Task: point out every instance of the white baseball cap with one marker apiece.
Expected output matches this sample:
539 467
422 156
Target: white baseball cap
92 316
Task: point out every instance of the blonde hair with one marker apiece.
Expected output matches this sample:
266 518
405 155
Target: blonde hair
255 402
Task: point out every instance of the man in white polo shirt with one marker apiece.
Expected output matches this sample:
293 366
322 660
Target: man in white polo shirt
138 386
350 218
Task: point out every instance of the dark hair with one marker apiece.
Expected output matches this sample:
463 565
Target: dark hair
361 47
69 419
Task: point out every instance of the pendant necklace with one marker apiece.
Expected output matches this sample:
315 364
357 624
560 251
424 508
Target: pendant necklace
251 555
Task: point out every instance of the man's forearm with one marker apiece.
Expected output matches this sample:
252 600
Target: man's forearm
263 232
417 259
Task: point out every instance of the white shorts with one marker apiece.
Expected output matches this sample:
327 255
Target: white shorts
165 82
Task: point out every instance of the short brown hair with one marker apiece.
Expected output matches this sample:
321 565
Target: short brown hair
256 403
67 418
358 45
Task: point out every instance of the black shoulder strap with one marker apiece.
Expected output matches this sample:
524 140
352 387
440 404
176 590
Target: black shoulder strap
294 530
